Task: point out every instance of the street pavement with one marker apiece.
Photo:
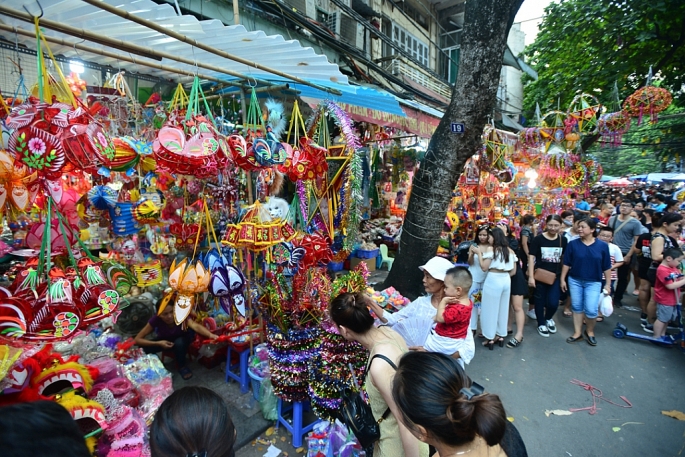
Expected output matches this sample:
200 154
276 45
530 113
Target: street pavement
536 377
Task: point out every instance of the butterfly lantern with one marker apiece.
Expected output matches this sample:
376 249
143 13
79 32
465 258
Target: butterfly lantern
86 144
187 279
242 154
288 257
269 151
227 282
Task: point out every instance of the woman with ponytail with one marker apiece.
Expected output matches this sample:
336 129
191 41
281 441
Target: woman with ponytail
441 406
350 313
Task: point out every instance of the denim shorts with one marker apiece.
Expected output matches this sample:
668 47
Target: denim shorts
585 296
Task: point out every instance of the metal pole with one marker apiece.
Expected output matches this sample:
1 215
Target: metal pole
122 45
113 55
183 38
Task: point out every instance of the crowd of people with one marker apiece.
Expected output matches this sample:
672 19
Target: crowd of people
429 404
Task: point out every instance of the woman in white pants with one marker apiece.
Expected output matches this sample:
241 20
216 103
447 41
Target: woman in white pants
482 244
500 263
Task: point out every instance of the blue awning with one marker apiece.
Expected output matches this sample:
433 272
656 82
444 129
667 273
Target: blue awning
364 97
354 95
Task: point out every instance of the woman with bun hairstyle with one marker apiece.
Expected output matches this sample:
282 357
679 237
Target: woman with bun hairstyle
441 406
350 313
193 422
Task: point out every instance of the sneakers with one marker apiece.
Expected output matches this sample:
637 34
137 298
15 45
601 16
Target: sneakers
649 328
551 326
531 313
543 331
643 319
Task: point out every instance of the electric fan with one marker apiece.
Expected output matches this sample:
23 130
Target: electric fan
135 314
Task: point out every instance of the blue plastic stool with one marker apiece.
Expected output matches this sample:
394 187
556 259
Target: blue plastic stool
241 376
297 429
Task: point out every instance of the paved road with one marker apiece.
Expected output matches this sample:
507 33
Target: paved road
536 377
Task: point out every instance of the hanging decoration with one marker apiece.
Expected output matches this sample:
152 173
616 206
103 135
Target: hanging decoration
647 100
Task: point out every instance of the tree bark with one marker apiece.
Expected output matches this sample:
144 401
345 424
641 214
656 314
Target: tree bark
486 27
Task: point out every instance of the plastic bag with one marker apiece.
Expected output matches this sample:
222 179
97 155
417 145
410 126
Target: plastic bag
268 401
606 306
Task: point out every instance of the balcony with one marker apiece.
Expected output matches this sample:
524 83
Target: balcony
418 78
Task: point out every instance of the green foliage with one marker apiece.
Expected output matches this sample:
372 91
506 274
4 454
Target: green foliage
647 148
589 45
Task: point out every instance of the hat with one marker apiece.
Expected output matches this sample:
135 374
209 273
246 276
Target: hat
437 267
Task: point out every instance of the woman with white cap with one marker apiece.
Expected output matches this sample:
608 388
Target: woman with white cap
426 306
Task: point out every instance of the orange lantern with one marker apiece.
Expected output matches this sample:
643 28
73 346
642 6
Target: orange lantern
187 279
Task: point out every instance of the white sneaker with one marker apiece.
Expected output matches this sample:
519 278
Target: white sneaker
542 330
551 326
531 313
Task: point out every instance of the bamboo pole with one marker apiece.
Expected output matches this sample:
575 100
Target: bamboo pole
185 39
122 45
114 55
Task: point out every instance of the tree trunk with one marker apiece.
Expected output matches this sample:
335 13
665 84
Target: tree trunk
486 26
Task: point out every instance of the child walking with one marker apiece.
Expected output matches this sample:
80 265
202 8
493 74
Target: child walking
454 315
669 280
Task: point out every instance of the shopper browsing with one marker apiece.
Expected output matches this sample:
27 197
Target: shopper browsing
669 280
453 316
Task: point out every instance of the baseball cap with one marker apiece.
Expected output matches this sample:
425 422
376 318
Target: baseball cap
437 267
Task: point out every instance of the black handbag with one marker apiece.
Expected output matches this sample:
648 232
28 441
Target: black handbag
357 414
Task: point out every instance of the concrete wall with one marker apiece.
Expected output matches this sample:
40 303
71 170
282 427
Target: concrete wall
510 91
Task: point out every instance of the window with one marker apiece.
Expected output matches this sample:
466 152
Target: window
409 43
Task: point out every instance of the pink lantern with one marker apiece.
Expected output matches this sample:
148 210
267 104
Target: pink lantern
35 236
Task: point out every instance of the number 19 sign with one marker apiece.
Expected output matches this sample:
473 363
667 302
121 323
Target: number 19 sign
457 127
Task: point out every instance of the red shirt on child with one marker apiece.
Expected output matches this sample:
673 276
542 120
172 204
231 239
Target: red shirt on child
663 295
457 321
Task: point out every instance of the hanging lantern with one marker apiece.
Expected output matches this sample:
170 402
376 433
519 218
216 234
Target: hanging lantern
647 100
187 280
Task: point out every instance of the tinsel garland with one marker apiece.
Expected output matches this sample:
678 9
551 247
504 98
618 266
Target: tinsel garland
329 373
289 356
354 281
343 121
355 202
304 200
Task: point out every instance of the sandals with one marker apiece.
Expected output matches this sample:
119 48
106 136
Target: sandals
568 314
572 340
185 373
514 343
500 341
600 318
490 344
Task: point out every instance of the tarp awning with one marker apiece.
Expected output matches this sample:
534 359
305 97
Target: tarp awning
273 51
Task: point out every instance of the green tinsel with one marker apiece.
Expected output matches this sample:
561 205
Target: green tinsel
355 200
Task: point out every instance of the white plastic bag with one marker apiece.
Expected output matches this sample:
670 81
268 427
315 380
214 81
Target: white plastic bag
606 305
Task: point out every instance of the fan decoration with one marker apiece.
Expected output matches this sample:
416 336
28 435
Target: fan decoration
647 100
414 330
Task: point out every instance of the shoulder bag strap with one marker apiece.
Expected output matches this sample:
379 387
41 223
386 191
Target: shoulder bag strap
392 364
616 230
